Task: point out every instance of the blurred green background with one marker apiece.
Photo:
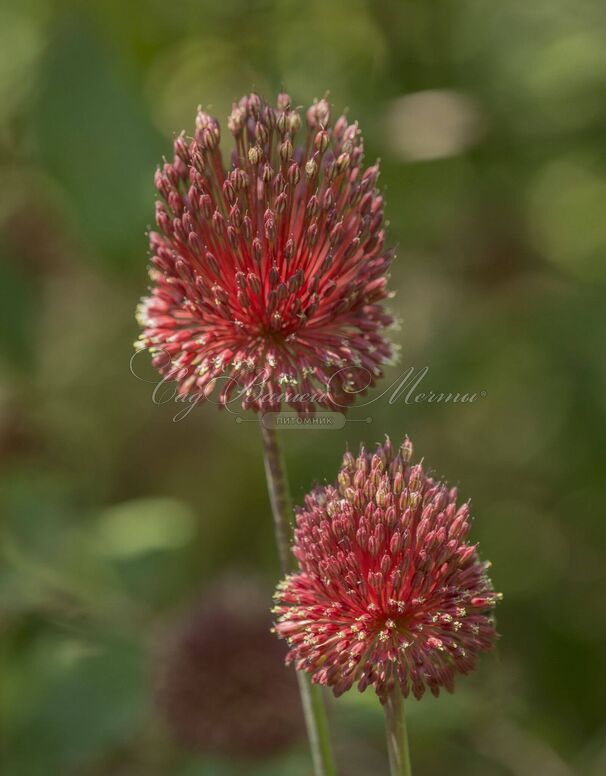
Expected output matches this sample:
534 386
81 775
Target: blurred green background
490 121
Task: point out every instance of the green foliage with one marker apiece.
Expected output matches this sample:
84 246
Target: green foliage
114 516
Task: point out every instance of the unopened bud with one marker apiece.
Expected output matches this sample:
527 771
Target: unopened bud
286 150
253 282
261 133
283 101
311 169
406 450
218 222
294 174
289 249
343 163
229 192
294 122
267 173
254 155
321 141
318 114
257 247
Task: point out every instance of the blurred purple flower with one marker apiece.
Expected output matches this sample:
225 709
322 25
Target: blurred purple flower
222 686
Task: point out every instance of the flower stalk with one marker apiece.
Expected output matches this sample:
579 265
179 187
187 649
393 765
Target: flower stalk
311 695
397 736
279 496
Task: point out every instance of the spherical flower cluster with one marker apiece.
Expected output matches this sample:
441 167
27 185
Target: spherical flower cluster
221 683
267 277
390 592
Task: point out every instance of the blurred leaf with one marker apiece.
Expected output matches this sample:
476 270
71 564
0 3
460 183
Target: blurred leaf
21 42
75 701
19 312
567 204
94 136
143 525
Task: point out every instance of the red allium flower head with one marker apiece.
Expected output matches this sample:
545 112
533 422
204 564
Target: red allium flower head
267 276
221 683
389 591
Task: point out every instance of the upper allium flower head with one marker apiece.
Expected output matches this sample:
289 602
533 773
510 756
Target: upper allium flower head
389 590
269 275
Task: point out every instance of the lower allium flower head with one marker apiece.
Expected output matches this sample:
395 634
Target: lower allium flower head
221 683
389 592
268 276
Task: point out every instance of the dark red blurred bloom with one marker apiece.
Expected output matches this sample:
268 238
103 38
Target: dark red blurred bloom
390 592
221 681
267 278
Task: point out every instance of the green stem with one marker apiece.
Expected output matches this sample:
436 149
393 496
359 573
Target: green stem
279 496
397 736
311 695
